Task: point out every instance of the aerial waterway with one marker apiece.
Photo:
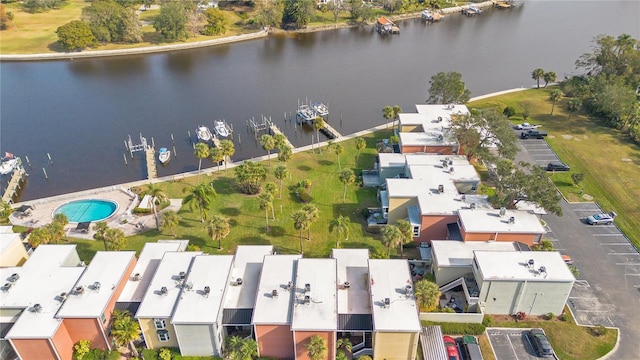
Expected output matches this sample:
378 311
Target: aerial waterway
80 111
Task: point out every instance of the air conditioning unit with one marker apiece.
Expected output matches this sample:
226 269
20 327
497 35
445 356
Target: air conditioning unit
387 302
63 296
14 277
440 188
274 293
136 277
346 285
307 288
36 308
530 263
503 211
207 291
237 282
164 290
96 286
6 286
182 275
512 220
307 299
188 286
79 290
408 290
289 285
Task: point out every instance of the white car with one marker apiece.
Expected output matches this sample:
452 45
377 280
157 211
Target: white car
526 126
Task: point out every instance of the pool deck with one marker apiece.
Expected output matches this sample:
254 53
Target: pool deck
123 218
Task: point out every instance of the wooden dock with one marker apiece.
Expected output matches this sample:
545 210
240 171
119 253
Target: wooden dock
152 168
330 131
274 130
17 177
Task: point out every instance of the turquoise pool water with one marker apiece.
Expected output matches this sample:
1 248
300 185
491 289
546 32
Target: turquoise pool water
87 210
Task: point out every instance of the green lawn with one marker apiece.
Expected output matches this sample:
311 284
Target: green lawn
609 160
248 221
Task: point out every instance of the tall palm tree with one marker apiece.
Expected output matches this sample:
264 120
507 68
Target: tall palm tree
407 233
387 113
200 151
574 105
218 228
115 239
238 348
100 229
216 156
361 144
200 197
125 330
427 294
346 177
344 344
391 237
536 75
338 149
157 196
556 95
281 172
280 140
317 348
228 149
170 220
41 235
548 77
396 114
318 124
340 225
268 143
313 215
56 228
266 204
285 152
300 222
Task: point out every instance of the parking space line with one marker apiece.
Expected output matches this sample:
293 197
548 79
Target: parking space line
631 274
632 253
512 348
622 243
628 264
607 235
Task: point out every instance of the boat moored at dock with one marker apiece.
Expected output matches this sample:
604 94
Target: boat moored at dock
203 133
471 11
221 128
8 164
306 114
164 155
320 108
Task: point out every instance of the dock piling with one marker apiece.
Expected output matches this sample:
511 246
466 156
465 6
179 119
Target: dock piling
173 140
28 163
45 174
49 156
125 158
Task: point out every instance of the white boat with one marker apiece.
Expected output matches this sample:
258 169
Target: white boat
427 15
306 113
203 133
221 128
8 164
320 108
164 155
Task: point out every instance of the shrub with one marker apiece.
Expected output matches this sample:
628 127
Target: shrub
164 354
303 194
80 349
598 331
564 317
487 321
509 111
550 316
306 183
138 210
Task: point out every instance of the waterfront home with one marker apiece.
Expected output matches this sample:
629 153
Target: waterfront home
386 26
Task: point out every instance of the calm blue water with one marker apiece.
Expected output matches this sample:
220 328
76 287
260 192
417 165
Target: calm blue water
87 210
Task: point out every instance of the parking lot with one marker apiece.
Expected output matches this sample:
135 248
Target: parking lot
511 344
539 151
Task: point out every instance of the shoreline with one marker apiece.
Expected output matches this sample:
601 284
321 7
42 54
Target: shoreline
220 41
231 165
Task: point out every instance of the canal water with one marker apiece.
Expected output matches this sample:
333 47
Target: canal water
82 111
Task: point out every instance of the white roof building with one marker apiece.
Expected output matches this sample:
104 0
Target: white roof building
278 274
315 305
352 274
247 266
460 253
509 266
490 221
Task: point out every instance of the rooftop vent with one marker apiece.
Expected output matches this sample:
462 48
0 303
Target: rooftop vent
63 296
503 211
6 286
450 162
440 188
14 277
542 269
137 277
237 282
530 263
79 290
96 286
346 285
307 299
164 290
36 308
289 285
512 220
408 290
472 206
274 293
207 291
451 170
307 288
387 302
182 275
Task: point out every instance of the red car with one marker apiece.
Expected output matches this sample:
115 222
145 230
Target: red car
452 349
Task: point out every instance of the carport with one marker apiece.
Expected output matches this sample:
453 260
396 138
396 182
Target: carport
432 344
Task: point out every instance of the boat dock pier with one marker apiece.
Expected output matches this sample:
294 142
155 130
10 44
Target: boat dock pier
274 130
17 177
329 131
152 168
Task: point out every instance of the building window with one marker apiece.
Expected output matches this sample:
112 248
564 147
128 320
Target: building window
160 324
103 318
163 335
416 231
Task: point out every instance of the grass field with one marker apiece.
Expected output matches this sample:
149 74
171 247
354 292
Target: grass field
248 221
609 160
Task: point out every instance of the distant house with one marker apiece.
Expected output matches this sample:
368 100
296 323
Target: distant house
499 225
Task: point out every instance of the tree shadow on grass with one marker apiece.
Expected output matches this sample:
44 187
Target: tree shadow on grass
325 162
277 231
230 211
253 240
225 185
304 168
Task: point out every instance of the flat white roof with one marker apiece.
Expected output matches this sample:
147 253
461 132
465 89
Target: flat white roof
387 160
433 111
490 221
6 229
247 265
427 138
277 272
531 207
388 279
352 266
99 282
145 268
194 305
155 303
460 253
500 265
43 277
320 313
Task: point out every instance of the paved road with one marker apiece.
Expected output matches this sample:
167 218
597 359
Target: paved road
608 290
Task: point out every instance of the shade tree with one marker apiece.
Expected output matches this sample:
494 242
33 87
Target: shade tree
478 133
448 88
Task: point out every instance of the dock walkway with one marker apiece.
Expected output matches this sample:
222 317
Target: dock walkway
330 131
152 168
274 130
14 185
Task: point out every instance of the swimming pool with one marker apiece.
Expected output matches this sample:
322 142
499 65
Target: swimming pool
87 210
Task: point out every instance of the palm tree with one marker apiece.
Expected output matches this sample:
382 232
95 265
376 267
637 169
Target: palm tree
346 177
114 239
391 237
556 95
536 75
548 77
407 233
228 149
56 227
396 109
200 197
170 220
300 222
344 344
318 124
313 215
241 349
125 330
216 156
268 143
341 226
338 150
218 228
387 113
427 294
281 172
41 235
280 140
317 348
100 229
200 151
574 105
266 204
285 152
157 196
361 144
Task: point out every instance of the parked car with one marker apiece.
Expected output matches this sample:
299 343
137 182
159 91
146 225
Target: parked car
540 343
526 126
470 348
567 259
452 349
558 166
533 134
602 218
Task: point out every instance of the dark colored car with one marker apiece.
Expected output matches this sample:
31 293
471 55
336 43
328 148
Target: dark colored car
452 349
558 166
470 348
533 134
540 343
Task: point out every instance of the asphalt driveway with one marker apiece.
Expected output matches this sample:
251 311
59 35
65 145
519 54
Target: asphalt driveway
511 344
